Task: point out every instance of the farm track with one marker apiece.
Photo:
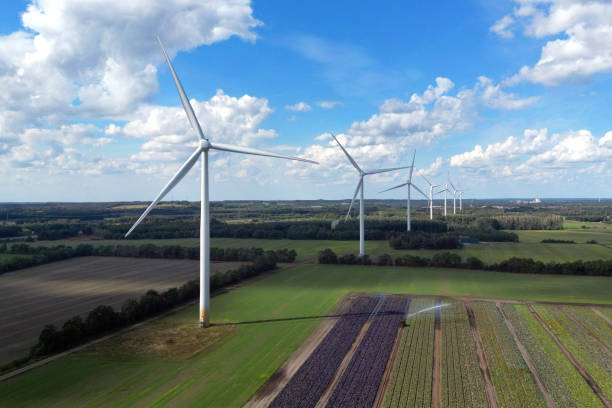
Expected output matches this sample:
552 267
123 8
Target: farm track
482 361
266 394
435 376
586 331
550 402
587 377
603 316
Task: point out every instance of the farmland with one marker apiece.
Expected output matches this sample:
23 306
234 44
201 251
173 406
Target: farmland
275 315
489 252
53 293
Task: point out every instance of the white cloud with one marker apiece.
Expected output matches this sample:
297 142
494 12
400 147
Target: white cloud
433 169
583 43
493 96
538 156
328 104
299 107
501 27
87 58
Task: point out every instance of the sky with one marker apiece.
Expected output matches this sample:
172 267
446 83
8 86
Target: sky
506 99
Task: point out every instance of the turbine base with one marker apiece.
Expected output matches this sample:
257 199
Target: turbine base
204 319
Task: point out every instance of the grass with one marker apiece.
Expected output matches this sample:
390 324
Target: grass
228 371
489 252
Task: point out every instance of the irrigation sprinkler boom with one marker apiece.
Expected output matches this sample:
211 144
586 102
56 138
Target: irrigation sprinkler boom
201 152
359 189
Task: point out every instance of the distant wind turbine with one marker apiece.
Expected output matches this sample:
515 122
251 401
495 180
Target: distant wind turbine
410 185
201 151
455 191
431 194
359 188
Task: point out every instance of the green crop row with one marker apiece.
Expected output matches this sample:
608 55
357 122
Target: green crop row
588 354
513 383
563 382
461 380
588 318
410 382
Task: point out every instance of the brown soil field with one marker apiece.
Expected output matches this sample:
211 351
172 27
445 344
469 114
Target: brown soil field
52 293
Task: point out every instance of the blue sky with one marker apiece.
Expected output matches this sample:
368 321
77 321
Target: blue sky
510 98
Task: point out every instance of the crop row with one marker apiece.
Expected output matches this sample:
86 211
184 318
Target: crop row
359 384
589 319
410 383
511 377
461 380
310 381
588 353
565 385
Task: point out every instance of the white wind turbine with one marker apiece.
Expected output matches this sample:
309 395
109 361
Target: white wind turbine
204 145
410 185
455 191
431 194
359 188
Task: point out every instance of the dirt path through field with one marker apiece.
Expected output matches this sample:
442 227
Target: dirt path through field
586 331
482 361
603 316
435 375
382 389
345 362
550 402
587 377
266 394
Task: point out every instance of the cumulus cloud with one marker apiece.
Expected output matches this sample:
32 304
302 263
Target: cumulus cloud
537 155
299 107
85 58
501 27
582 45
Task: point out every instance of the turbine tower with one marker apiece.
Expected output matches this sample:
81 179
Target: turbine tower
455 191
410 185
204 145
359 189
431 193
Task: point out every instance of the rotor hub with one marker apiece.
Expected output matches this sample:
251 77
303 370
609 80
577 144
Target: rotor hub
204 144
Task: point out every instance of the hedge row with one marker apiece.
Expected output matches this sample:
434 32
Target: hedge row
41 255
104 319
452 260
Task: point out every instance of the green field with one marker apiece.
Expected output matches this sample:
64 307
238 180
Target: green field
489 252
228 372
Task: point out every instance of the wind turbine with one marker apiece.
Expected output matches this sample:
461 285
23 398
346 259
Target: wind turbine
431 193
359 188
204 145
455 191
410 185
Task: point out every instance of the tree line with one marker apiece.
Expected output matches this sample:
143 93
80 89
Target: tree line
29 255
452 260
104 319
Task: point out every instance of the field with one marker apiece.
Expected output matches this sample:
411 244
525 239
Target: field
269 319
53 293
489 252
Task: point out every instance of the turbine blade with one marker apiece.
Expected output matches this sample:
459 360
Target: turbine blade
419 190
385 170
347 155
426 179
173 181
412 166
186 105
393 188
353 200
256 152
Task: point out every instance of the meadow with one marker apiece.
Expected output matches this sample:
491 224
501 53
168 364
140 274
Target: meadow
269 318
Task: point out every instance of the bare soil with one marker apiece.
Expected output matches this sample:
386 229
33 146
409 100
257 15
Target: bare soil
550 402
482 361
587 377
50 294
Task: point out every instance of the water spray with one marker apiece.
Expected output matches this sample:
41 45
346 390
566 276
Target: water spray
427 309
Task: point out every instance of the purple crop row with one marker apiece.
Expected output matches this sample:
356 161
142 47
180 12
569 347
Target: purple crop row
359 384
310 381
